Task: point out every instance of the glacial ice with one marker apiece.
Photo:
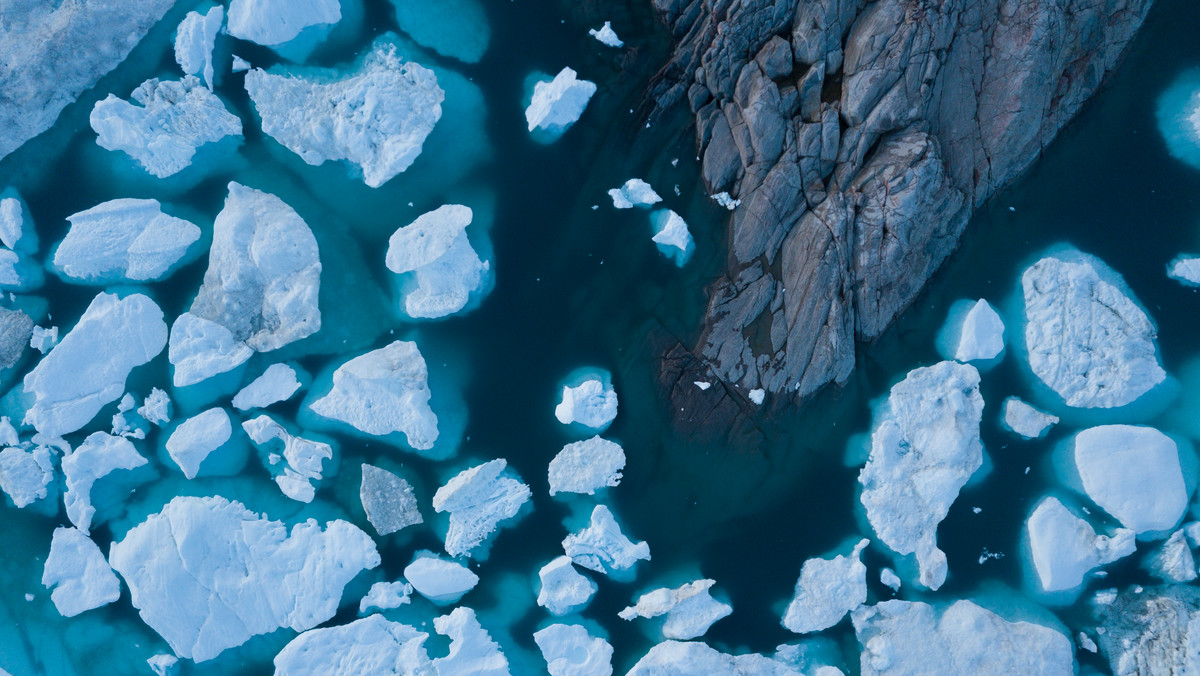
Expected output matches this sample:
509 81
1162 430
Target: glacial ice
923 450
889 579
26 474
606 35
472 650
371 646
385 596
976 334
1173 560
1185 270
692 658
478 499
163 665
87 370
564 590
273 23
445 269
602 546
586 466
194 40
156 409
690 609
634 193
592 403
757 396
240 65
440 580
278 383
557 104
1086 339
827 590
458 29
79 574
200 348
671 235
569 650
208 574
377 119
1064 547
98 456
295 463
123 240
174 119
1134 474
195 438
388 500
1024 420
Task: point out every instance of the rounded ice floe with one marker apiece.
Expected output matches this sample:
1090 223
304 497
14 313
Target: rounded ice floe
1086 339
372 645
690 609
1065 548
606 35
385 596
478 499
694 657
827 590
671 235
557 104
458 29
278 383
276 22
564 590
973 332
1185 270
208 574
757 396
79 574
98 456
294 462
634 193
87 370
586 466
174 119
194 40
123 240
377 118
602 546
195 438
1134 474
569 650
472 650
388 500
1024 420
26 474
924 449
592 403
440 580
889 579
445 268
200 349
1178 113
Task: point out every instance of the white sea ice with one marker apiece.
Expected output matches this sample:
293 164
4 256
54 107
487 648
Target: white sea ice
388 500
602 546
385 596
200 348
827 590
478 499
557 104
889 578
382 392
43 339
606 35
1173 560
123 240
1185 270
208 574
690 609
435 250
472 650
726 201
98 456
1176 111
923 450
275 22
297 465
377 118
1134 474
757 396
980 334
87 370
264 272
79 574
634 193
156 409
440 580
569 650
1086 339
174 119
672 236
278 383
194 40
1064 547
240 65
592 404
1024 420
564 589
586 466
25 474
195 438
371 646
693 658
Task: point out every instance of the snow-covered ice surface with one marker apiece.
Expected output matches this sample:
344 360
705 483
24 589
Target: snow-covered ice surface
557 104
586 466
1134 474
827 590
200 348
440 580
564 590
195 438
689 609
445 269
606 35
478 499
98 456
1024 420
277 383
1065 548
1173 561
388 500
592 403
79 574
194 41
372 645
634 193
123 240
602 547
569 650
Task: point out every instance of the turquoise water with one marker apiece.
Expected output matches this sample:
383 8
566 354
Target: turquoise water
581 287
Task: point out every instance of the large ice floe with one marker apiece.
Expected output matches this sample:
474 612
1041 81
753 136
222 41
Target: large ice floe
194 41
592 402
200 348
1064 547
388 500
973 332
902 637
445 270
208 574
88 368
692 658
1134 474
98 456
569 650
602 547
173 120
924 449
689 609
276 23
564 590
472 650
478 499
826 591
195 439
124 240
377 118
372 645
440 580
294 462
557 104
586 466
634 193
79 574
1086 338
264 272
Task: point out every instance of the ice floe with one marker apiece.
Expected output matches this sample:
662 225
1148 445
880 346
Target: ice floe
79 574
445 269
98 456
240 65
671 235
827 590
163 665
688 658
278 383
371 646
557 104
606 35
200 348
1173 561
888 577
1185 270
634 193
690 609
274 23
1134 474
592 403
586 466
386 596
156 409
17 231
569 650
472 650
26 474
602 547
123 240
194 40
1064 547
191 443
1024 420
478 499
388 500
564 590
440 580
295 463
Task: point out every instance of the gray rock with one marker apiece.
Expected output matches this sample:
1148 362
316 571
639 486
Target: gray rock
388 500
1148 631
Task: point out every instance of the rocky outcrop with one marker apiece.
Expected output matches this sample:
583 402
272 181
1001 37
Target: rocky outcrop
860 136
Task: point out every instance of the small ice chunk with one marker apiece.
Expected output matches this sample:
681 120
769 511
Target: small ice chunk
726 201
1133 473
606 35
174 119
435 249
388 500
634 192
25 474
79 574
679 658
586 466
195 438
194 40
980 335
672 236
386 596
1173 561
757 396
17 231
164 665
274 22
371 646
564 589
123 240
1086 643
569 650
1064 547
472 650
440 580
1185 270
890 579
1024 420
156 409
200 349
478 499
827 590
557 104
702 385
278 383
98 456
43 339
591 404
690 609
602 546
240 65
302 458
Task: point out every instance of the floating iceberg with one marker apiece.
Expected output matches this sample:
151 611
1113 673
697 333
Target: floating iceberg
371 646
174 119
123 240
973 332
200 348
586 466
194 41
388 500
25 475
726 201
1086 339
458 29
672 237
889 579
377 119
557 104
634 193
386 596
195 438
602 546
1178 113
827 590
692 658
1064 547
592 403
264 272
569 650
478 499
472 651
441 581
606 35
278 383
1024 420
564 589
924 449
446 270
1134 474
690 609
1185 270
156 409
208 574
98 456
273 23
298 463
79 574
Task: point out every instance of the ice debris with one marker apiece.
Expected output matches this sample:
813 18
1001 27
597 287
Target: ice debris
123 240
385 596
827 590
388 500
297 465
1024 420
690 609
688 658
592 403
1134 474
194 40
163 664
98 456
606 35
156 409
79 574
1064 547
586 466
472 650
634 193
569 650
372 645
200 348
564 590
557 104
240 65
726 201
435 250
478 499
440 580
602 546
278 383
757 396
195 438
26 474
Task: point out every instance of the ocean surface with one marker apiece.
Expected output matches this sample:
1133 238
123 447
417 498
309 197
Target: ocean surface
577 286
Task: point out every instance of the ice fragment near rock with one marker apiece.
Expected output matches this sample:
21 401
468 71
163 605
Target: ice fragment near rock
557 104
569 650
195 438
980 334
78 573
388 500
478 499
606 35
690 609
1065 548
672 236
634 192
